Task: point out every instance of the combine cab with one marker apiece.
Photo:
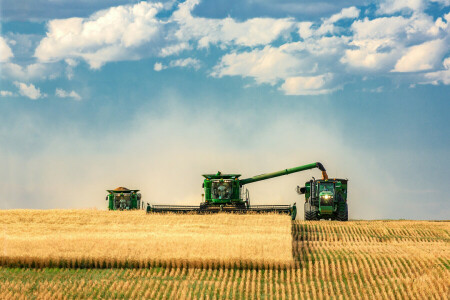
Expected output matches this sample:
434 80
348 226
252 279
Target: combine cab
325 199
123 199
225 193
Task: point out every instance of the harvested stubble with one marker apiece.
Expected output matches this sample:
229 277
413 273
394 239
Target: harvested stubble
103 239
352 260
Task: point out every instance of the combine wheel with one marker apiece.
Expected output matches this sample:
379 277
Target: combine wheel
342 214
310 214
241 206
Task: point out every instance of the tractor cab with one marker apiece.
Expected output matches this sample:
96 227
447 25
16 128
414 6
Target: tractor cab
222 189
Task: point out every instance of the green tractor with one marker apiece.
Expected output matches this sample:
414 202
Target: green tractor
122 198
225 193
325 199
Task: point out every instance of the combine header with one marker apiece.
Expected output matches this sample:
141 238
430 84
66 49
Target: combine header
225 193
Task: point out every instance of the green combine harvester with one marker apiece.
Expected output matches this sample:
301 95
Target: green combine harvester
122 198
225 193
325 199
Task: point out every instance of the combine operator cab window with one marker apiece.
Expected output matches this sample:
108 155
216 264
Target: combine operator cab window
221 189
326 186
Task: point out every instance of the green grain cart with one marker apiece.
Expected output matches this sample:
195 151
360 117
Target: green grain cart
325 199
122 198
225 193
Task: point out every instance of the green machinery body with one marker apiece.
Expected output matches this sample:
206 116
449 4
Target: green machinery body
224 192
325 199
123 199
227 189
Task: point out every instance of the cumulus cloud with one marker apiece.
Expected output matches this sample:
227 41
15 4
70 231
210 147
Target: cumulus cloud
64 94
421 57
109 35
439 76
393 6
308 85
346 13
267 65
30 72
206 31
5 50
29 90
278 51
397 42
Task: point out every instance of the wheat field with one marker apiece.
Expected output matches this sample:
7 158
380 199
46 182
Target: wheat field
331 260
93 238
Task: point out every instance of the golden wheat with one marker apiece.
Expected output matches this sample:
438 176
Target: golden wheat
353 260
92 238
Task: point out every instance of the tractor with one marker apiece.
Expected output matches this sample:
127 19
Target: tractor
325 199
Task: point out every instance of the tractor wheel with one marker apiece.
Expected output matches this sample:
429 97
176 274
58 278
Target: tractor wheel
310 214
342 214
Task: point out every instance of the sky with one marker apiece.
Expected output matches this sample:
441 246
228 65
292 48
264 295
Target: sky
150 95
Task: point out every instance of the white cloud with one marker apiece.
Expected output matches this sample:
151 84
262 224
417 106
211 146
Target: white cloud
308 85
174 49
306 30
30 72
158 67
64 94
6 93
29 90
186 63
181 63
346 13
265 49
253 32
439 76
421 57
267 65
108 35
5 51
393 6
378 44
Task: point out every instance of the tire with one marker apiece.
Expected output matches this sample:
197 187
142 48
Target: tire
310 214
342 214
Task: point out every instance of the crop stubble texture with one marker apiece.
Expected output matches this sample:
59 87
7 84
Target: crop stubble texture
351 260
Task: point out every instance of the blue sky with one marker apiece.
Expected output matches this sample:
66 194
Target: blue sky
151 95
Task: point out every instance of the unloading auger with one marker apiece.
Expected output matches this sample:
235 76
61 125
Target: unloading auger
225 193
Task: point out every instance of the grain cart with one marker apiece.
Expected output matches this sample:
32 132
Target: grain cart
325 199
122 198
225 193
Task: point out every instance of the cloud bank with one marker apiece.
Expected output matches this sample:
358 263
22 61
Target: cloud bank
296 57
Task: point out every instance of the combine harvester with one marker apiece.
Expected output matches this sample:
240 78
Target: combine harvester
225 193
122 198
